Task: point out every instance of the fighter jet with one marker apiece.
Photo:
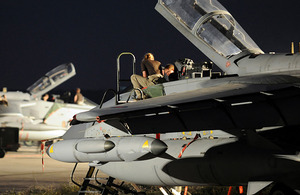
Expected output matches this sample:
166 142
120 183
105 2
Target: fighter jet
28 117
254 102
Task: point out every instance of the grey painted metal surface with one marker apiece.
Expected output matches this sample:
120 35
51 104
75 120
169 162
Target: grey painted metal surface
253 109
38 119
205 161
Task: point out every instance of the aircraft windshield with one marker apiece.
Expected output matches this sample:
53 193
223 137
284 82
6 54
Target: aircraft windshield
52 79
213 24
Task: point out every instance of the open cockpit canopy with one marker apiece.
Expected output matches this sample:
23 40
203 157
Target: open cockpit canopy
208 25
52 79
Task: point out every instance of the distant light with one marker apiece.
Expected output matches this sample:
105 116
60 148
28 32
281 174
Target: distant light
240 103
152 114
219 100
161 113
265 93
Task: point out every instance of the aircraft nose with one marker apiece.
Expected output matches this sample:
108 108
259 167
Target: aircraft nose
158 147
49 150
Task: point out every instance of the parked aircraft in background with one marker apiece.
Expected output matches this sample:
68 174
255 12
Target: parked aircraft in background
28 117
252 106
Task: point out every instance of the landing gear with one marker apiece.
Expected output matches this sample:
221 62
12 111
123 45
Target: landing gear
2 152
30 143
108 187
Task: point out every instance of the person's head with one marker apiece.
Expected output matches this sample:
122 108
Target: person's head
46 97
78 90
149 56
169 69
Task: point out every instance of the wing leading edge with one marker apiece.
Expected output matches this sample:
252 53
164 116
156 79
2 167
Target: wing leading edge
237 104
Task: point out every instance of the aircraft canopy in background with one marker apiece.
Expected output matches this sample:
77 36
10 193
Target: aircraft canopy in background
52 79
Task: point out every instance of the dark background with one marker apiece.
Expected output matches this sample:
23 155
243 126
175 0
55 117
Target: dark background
38 35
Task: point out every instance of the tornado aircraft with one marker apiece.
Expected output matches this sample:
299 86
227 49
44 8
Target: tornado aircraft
25 116
239 126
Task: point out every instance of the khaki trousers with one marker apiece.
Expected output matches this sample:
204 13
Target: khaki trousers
140 82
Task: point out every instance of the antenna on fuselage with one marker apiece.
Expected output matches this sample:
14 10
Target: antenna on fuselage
292 48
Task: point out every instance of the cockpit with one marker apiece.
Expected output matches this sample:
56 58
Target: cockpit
52 79
209 26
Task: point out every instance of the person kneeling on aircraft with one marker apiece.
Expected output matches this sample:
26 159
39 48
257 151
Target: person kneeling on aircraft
170 73
141 82
151 70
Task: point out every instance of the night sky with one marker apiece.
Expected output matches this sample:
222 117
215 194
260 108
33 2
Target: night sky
38 35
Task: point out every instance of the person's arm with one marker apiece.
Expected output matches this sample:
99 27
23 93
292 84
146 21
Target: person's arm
162 70
75 98
143 69
144 74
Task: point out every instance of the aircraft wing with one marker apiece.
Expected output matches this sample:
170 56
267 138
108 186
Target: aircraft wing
231 104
